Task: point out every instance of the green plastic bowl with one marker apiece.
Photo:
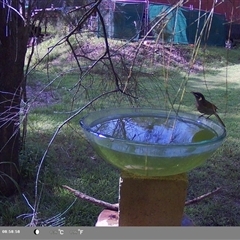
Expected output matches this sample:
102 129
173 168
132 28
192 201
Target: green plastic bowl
152 142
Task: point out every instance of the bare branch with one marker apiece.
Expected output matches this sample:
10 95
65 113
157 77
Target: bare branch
115 207
108 51
14 9
197 199
91 199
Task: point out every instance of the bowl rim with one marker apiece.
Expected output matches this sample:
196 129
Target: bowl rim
181 114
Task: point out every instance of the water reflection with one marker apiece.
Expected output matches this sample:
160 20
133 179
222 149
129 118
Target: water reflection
148 130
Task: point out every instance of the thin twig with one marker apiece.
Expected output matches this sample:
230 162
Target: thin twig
115 207
197 199
93 200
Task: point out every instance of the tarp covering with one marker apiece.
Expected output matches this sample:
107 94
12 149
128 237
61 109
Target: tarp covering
125 20
174 21
185 26
211 28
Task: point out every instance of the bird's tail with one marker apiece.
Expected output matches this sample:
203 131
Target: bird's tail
219 119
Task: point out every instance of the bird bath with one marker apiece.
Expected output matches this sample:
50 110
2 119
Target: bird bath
153 149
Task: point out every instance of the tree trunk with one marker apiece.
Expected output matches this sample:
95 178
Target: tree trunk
13 45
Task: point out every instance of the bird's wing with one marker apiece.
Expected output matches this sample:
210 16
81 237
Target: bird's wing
214 107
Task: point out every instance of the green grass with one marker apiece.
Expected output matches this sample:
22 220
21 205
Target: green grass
71 160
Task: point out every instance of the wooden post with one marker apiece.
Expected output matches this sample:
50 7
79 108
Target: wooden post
154 201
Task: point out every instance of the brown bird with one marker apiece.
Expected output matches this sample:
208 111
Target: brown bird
205 107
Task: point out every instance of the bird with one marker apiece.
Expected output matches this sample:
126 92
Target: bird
205 107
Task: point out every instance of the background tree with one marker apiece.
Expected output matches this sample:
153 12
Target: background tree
15 26
13 46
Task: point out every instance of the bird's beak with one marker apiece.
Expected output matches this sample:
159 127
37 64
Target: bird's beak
194 94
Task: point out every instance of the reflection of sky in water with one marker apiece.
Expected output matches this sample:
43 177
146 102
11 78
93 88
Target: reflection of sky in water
148 130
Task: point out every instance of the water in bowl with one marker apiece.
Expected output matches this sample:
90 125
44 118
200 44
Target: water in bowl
152 146
154 130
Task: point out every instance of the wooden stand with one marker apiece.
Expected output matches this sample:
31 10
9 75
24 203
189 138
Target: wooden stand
156 201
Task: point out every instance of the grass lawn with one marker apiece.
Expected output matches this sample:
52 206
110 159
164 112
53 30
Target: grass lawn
221 170
58 88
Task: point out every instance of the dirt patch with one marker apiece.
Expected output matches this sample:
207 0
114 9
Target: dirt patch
40 97
147 53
